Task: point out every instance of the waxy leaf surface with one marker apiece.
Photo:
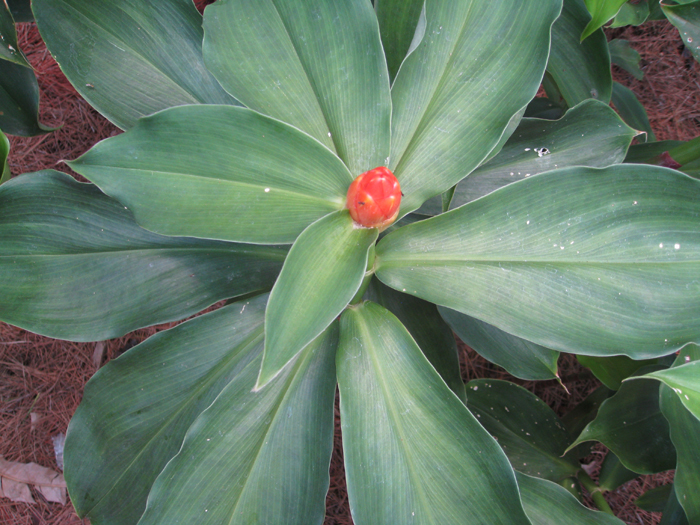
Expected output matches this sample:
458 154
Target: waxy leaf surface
686 18
129 59
399 22
219 172
75 265
9 49
431 461
684 380
19 100
456 92
595 262
317 65
601 12
322 273
632 111
256 457
4 153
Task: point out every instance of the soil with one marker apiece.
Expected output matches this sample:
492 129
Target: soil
41 380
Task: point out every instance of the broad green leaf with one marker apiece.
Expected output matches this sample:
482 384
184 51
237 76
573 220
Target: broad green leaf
4 153
74 264
632 111
219 172
582 414
685 434
588 261
542 145
256 457
684 380
129 59
398 25
547 503
519 357
673 513
631 425
318 66
601 12
21 10
686 18
654 500
625 56
647 152
632 14
413 452
9 49
581 70
613 473
686 152
478 64
543 108
136 409
19 100
529 432
323 271
611 371
433 336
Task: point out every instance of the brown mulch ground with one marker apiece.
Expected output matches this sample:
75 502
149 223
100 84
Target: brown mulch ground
41 380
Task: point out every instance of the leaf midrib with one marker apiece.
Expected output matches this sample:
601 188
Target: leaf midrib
268 255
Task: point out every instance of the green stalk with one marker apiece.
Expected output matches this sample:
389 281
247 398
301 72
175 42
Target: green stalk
595 492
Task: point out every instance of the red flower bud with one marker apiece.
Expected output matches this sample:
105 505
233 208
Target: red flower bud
374 198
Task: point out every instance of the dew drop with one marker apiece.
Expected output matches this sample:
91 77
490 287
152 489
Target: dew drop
677 246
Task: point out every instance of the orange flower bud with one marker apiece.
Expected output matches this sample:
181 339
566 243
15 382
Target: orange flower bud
374 198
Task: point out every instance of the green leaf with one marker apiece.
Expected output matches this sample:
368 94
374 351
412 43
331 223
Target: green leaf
19 101
632 111
686 18
4 153
630 424
398 25
632 14
547 503
433 336
594 262
130 59
453 97
581 70
431 462
542 145
684 380
318 66
519 357
625 56
219 172
582 414
646 152
529 432
74 264
685 434
9 49
611 371
654 500
21 10
613 473
673 513
601 12
323 271
256 457
136 409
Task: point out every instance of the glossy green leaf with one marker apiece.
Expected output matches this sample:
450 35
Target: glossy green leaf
74 264
626 57
318 66
595 262
630 424
582 414
543 108
256 457
323 271
611 371
547 503
601 12
433 336
646 152
478 64
686 18
685 434
632 14
431 461
613 473
19 101
219 172
136 409
673 513
684 380
654 500
4 153
529 432
21 10
581 70
519 357
9 49
398 25
541 145
129 59
632 111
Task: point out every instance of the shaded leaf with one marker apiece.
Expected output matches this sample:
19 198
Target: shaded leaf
219 172
16 478
323 271
582 414
431 460
529 432
398 21
632 13
519 357
654 500
632 111
130 59
9 49
646 152
595 262
444 120
686 18
74 264
673 513
21 10
625 56
318 66
256 457
613 473
601 12
19 101
611 371
4 153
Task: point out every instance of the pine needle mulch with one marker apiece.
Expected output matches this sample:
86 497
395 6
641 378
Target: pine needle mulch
41 380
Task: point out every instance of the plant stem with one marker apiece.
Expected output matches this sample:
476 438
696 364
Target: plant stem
594 491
